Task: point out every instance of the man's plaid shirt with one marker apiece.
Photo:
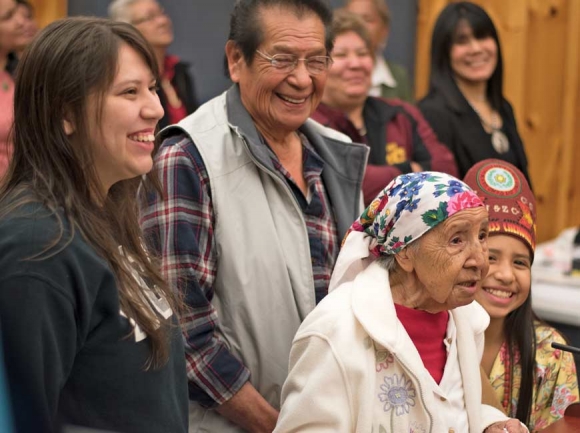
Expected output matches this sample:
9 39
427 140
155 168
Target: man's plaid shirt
181 228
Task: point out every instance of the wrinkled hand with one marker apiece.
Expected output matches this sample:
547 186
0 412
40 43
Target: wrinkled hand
512 426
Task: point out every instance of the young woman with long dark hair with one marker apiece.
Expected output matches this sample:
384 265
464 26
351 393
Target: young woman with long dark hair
533 381
465 104
89 327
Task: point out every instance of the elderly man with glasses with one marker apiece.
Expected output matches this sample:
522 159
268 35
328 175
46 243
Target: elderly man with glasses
256 199
176 88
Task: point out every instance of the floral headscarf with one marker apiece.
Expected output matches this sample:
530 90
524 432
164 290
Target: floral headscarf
410 206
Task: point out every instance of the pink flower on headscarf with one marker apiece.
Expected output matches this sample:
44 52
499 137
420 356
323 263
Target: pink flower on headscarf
463 200
397 245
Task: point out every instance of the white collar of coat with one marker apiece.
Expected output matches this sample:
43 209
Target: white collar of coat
382 73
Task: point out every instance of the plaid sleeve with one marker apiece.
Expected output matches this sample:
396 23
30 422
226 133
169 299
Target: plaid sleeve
179 227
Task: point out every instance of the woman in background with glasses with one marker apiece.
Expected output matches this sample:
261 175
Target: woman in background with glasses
389 79
176 86
465 104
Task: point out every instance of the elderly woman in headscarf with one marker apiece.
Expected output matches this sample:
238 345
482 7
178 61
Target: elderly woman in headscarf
396 346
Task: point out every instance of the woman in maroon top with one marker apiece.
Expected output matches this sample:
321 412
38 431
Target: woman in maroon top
400 139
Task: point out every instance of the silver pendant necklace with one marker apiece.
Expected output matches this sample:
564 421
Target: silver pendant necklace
499 140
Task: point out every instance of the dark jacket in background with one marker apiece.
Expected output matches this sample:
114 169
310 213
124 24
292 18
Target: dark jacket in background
397 134
182 82
11 64
459 127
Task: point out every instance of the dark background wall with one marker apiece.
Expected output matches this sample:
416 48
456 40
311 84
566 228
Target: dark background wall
201 29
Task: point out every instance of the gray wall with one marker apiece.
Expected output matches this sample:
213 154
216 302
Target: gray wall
401 47
201 29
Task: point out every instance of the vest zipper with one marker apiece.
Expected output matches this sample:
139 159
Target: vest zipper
284 185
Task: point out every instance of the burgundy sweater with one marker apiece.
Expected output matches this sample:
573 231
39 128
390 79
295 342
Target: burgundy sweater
397 133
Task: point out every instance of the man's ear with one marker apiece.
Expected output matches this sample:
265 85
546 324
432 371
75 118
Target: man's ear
406 260
68 126
235 60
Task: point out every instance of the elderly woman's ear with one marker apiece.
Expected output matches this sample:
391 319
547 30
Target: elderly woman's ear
405 259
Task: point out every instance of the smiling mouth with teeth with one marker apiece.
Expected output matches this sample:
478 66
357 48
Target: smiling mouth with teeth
499 293
292 101
147 138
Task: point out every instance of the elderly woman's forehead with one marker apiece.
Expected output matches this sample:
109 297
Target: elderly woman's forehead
476 217
468 220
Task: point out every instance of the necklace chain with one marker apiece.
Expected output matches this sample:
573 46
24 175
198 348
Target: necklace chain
494 125
499 141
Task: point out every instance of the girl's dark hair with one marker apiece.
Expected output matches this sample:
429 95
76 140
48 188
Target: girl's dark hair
69 61
444 32
246 25
520 337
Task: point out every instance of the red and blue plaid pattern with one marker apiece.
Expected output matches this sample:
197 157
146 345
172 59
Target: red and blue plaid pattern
180 227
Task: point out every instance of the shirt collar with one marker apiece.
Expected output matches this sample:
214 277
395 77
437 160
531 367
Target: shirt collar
382 73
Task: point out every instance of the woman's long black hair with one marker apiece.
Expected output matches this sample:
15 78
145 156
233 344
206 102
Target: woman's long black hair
520 337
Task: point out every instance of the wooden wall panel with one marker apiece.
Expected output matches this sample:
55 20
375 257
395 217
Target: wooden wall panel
427 15
49 10
569 191
541 53
540 114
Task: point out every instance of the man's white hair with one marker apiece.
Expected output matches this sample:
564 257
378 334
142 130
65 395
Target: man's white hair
119 10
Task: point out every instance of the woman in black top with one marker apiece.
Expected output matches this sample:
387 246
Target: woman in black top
465 104
89 329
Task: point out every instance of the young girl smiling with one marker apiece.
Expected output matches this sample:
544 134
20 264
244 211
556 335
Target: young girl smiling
533 381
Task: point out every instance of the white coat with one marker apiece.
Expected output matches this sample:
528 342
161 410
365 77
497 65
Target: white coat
332 383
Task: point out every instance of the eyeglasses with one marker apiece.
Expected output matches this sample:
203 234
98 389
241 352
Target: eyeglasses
149 17
287 62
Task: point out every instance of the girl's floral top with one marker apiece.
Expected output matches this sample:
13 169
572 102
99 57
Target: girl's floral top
556 380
